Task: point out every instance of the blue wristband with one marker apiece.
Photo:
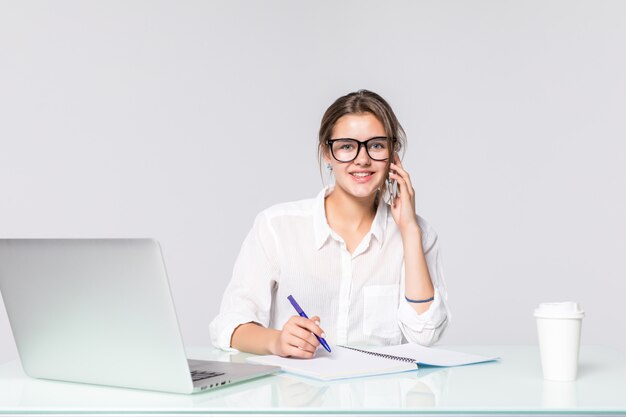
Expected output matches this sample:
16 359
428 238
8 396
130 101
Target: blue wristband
420 301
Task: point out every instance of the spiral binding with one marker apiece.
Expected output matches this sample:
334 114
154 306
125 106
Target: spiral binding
381 355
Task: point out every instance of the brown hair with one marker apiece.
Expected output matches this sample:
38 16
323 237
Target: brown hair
360 102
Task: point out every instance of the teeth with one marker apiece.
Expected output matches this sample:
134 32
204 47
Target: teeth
361 174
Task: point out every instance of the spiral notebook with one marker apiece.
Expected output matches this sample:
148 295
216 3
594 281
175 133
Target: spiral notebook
349 362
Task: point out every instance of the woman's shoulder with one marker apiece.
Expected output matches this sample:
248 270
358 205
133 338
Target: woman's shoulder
428 232
429 235
424 225
305 207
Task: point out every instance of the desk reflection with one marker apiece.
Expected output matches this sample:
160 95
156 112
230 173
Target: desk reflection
514 384
423 388
556 394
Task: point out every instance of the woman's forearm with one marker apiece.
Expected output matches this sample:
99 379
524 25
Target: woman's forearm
418 285
254 338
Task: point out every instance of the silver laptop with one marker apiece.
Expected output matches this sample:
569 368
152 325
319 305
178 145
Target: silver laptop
100 311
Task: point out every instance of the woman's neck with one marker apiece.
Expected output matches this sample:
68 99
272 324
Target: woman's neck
347 212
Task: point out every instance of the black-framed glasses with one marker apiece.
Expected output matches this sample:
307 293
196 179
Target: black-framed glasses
347 149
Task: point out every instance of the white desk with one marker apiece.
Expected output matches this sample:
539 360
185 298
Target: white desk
513 385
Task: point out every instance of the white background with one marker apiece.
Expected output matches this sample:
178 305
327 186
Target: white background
181 120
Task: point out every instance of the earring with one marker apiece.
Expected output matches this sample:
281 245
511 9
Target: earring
329 167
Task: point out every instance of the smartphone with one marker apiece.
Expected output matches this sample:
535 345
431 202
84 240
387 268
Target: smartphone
393 190
393 184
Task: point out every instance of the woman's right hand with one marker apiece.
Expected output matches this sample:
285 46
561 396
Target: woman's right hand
297 338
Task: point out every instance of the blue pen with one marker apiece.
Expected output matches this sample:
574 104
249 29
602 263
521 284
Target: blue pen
295 305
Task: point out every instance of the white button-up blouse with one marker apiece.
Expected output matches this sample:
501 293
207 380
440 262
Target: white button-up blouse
359 297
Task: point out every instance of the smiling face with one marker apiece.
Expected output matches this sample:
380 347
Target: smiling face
362 177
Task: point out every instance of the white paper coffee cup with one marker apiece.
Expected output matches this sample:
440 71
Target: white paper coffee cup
558 328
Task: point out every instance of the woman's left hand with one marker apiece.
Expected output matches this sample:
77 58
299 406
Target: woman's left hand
403 207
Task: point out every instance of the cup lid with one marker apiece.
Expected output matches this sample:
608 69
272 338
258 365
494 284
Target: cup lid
563 310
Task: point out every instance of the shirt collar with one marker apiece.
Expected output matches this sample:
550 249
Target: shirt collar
323 231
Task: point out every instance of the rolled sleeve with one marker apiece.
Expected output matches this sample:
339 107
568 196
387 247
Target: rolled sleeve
222 328
427 328
248 296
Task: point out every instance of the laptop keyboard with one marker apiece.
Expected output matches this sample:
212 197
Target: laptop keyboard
198 375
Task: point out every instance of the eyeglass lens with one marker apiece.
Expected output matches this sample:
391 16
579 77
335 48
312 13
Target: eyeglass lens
346 150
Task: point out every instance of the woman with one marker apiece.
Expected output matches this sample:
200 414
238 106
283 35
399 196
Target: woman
370 271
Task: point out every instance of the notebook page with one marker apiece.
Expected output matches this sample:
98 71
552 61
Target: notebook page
338 364
432 356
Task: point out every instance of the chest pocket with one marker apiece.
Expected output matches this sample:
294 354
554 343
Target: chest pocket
380 311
